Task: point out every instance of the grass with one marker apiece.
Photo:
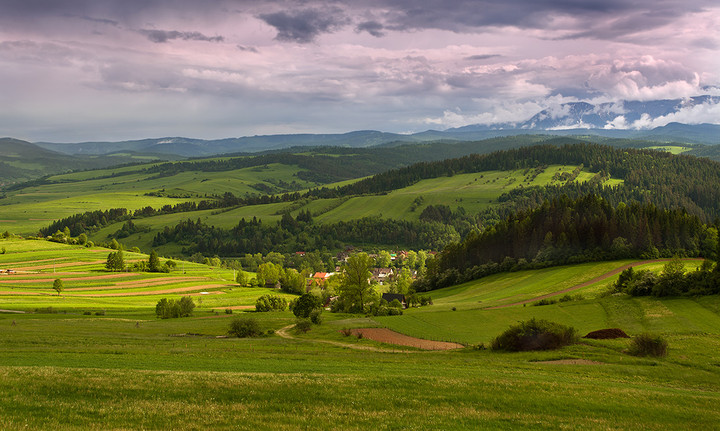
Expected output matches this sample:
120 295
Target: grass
127 369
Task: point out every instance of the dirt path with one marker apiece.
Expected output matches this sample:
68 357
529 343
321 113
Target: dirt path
283 332
585 284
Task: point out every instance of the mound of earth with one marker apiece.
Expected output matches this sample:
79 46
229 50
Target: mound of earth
607 334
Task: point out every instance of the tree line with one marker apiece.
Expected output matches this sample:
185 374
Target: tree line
565 230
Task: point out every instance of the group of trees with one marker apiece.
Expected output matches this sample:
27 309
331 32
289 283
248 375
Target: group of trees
569 231
672 281
116 262
254 236
171 308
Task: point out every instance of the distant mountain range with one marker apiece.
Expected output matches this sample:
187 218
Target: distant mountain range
571 119
621 116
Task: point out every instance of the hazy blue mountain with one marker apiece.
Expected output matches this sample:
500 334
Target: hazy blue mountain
571 119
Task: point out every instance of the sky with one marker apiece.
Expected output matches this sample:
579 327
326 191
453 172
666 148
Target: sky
88 70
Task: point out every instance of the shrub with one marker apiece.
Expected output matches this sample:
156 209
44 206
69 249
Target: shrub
544 302
302 325
100 313
228 311
305 304
87 313
648 345
346 332
316 316
534 334
245 327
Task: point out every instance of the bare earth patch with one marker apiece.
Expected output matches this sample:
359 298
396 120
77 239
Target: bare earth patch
236 307
385 335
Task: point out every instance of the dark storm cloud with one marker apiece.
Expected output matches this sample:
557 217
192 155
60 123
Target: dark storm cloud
608 19
247 49
162 36
482 57
304 26
372 27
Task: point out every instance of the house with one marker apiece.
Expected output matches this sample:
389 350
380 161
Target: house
321 277
390 297
382 275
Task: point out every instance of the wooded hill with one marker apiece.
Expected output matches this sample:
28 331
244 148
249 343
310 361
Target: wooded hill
659 204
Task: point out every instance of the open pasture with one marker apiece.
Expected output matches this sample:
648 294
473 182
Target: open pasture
107 362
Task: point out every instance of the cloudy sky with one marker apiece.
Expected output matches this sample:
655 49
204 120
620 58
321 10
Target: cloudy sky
75 70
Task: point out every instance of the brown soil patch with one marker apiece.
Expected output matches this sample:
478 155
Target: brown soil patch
385 335
571 362
607 334
585 284
158 292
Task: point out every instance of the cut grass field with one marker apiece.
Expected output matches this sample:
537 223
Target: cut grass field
127 369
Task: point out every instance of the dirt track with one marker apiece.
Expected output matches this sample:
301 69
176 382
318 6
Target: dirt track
585 284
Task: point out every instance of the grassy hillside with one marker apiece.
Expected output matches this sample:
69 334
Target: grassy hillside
127 369
474 192
477 319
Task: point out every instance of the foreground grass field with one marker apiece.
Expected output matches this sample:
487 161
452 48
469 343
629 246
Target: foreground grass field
126 369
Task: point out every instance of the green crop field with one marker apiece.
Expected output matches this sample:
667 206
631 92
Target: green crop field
76 368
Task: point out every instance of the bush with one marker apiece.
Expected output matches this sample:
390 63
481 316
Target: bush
648 345
305 304
228 311
534 334
245 327
346 332
316 316
544 302
302 325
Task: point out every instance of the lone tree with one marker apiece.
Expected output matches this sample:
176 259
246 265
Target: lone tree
154 262
58 286
355 286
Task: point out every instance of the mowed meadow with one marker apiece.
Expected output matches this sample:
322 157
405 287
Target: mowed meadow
101 359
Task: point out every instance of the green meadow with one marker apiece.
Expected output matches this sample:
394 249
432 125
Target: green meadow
106 362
